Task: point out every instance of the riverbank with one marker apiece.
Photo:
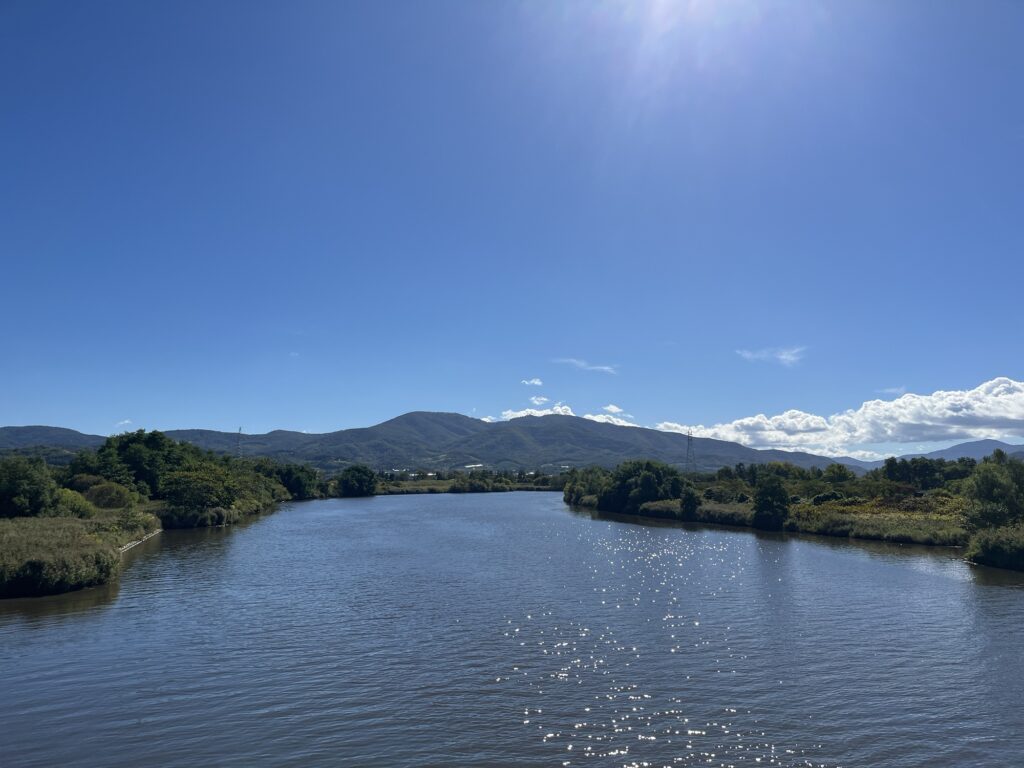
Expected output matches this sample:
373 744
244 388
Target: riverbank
453 486
998 548
49 555
939 527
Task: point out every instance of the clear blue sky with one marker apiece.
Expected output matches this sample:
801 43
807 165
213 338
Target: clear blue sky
316 215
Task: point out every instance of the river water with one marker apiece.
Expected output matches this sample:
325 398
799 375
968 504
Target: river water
508 630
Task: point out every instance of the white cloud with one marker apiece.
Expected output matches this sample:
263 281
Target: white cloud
538 399
994 409
611 408
557 409
488 419
534 382
607 418
583 365
783 355
123 423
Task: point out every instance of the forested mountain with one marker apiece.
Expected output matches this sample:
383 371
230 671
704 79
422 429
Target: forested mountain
12 438
432 440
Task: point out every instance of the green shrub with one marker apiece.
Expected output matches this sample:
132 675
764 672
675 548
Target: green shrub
83 482
666 509
821 498
725 514
689 504
107 495
998 547
73 504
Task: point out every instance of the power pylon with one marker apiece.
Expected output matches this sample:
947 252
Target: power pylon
690 466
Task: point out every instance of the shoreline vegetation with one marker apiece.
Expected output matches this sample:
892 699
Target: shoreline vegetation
978 506
65 527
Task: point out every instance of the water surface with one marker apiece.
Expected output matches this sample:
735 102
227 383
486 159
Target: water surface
506 630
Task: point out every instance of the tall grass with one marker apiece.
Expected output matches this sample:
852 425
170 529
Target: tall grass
48 555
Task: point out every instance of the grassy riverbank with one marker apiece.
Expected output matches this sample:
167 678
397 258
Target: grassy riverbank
935 527
977 506
452 486
64 527
48 555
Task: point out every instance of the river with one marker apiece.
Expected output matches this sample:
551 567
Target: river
508 630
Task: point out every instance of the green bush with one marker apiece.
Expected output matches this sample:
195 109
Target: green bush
821 498
107 495
998 547
73 504
666 509
83 482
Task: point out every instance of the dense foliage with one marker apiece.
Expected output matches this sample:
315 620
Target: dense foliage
68 523
928 501
26 488
357 480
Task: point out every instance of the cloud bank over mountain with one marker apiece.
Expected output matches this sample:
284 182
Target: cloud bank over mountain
994 409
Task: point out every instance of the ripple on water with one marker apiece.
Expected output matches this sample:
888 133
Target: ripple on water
504 630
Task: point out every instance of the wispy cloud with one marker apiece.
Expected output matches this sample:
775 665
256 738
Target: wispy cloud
994 409
783 355
612 408
538 399
583 365
123 423
534 382
895 391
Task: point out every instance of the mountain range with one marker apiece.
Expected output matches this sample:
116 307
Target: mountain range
429 440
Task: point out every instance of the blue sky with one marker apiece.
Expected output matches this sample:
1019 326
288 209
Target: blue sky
319 215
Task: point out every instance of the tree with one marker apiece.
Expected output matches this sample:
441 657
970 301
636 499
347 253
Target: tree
689 503
634 483
26 488
996 491
357 480
838 473
207 487
771 503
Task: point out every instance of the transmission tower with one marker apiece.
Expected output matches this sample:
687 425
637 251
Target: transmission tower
690 467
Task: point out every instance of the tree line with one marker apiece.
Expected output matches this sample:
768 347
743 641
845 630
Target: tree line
933 501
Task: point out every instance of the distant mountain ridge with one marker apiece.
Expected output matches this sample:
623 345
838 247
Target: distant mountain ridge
432 440
974 449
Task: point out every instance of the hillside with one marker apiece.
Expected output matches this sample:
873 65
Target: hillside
429 440
449 440
14 438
